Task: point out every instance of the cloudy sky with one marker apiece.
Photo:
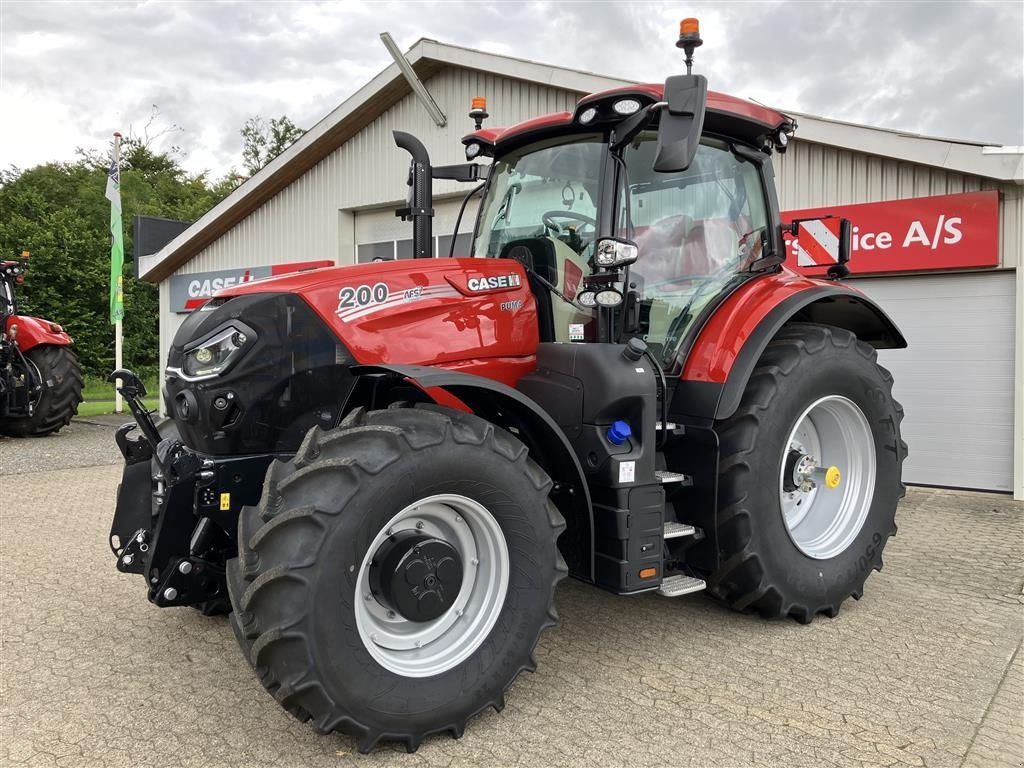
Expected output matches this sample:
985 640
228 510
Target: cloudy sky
70 74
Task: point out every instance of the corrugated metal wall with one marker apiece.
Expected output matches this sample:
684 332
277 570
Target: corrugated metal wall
814 175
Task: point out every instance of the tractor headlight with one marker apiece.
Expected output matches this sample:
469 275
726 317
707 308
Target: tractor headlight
214 355
587 115
613 252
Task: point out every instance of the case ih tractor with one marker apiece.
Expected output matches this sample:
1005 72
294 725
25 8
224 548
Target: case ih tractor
40 379
388 467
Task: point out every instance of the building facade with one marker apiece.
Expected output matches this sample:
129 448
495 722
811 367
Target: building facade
330 198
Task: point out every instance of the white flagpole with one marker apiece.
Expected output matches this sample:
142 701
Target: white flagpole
118 337
118 344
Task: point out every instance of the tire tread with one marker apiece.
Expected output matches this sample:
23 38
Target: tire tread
740 579
265 575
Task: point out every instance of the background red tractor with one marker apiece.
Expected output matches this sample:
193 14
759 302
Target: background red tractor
40 379
388 467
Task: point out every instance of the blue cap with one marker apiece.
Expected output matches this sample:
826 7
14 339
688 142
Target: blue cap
619 432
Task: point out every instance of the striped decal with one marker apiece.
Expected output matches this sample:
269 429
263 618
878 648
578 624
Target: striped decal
819 243
399 298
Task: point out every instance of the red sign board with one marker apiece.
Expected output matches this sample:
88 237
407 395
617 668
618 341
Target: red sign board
919 234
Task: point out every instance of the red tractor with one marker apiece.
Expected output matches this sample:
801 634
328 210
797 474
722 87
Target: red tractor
387 468
40 379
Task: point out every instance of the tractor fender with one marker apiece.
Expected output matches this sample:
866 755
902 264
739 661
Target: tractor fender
512 410
731 342
33 331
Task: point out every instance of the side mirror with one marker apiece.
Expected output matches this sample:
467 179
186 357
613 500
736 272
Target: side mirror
682 121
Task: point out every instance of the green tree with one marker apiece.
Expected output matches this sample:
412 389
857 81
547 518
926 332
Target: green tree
59 213
263 141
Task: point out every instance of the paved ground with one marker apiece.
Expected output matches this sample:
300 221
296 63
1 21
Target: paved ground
925 670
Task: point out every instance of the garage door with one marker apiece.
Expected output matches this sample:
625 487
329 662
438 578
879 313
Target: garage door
955 380
380 234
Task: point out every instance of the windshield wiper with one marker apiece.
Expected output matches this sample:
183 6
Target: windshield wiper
505 207
530 271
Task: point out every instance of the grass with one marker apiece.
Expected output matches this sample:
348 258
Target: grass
99 396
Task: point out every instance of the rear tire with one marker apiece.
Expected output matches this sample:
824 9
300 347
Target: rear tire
297 590
62 392
825 377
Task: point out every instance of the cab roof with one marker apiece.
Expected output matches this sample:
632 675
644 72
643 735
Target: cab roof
727 115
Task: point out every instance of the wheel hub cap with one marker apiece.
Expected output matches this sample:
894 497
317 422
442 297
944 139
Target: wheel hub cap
431 585
416 575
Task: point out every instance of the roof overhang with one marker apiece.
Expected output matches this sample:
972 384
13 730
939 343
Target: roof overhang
971 158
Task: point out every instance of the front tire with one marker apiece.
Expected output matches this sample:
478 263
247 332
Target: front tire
809 476
318 634
57 367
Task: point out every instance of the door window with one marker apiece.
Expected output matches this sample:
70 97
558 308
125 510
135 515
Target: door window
696 230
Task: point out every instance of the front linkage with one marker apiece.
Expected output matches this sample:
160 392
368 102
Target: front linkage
177 510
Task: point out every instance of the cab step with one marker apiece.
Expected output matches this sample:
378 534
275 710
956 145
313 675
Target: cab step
675 530
665 477
678 584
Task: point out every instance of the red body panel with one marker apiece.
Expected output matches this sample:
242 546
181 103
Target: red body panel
725 333
33 331
472 315
717 102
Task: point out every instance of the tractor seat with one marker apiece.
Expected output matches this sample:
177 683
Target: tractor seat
676 247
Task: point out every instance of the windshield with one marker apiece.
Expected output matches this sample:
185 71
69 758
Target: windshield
696 230
547 190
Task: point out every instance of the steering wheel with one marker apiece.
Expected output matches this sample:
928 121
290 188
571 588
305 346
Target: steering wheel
549 216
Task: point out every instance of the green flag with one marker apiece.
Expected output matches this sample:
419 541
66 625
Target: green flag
116 239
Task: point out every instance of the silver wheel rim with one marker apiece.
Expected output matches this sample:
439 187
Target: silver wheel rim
830 458
422 649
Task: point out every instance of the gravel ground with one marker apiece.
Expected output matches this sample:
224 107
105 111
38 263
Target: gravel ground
925 670
80 444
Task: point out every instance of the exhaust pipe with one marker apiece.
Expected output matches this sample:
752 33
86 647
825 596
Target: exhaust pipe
420 200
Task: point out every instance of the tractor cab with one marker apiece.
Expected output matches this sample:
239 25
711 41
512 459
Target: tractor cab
639 212
696 231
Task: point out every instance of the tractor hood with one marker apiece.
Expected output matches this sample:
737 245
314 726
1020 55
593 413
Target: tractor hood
416 311
260 363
